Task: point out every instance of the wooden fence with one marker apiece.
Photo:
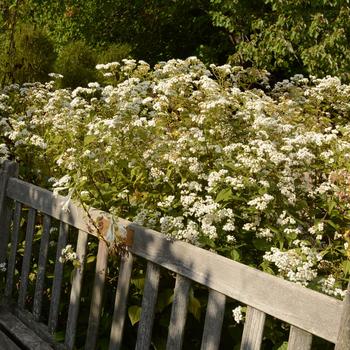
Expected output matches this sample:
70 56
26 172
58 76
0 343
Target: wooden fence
308 312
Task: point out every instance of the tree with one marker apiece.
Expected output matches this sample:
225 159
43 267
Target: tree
288 37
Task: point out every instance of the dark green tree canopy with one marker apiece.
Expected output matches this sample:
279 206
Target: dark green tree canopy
288 37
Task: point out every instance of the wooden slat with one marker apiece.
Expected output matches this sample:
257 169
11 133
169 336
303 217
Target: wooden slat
57 280
6 342
45 202
14 243
40 278
253 329
97 294
120 303
249 287
22 333
178 313
40 329
150 293
209 269
76 291
343 339
299 339
213 321
27 258
8 170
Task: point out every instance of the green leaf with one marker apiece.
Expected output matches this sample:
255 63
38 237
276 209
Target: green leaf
234 254
165 298
261 244
89 139
224 195
346 267
194 307
138 282
134 313
90 259
284 346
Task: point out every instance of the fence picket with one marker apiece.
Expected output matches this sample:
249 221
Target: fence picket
150 293
178 313
57 281
40 279
299 339
14 243
120 303
76 290
26 258
10 169
253 329
97 294
213 321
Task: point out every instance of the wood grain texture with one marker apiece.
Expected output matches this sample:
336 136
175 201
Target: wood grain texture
22 333
14 244
40 278
207 268
178 313
40 329
120 303
343 339
74 302
150 293
26 263
57 279
45 202
213 321
253 329
8 170
6 342
249 287
299 339
97 296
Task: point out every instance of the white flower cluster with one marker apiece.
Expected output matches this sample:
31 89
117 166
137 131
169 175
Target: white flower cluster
67 254
328 287
237 314
186 150
297 265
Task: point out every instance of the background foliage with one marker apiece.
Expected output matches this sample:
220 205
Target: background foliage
284 37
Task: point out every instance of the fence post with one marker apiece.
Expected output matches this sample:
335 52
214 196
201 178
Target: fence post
343 341
9 169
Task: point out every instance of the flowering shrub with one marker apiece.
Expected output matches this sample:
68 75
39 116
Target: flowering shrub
257 174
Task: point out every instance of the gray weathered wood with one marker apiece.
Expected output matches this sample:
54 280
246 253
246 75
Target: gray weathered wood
178 313
76 290
249 287
45 202
343 339
14 243
253 329
27 258
57 279
120 302
21 332
40 278
299 339
6 342
213 321
150 293
97 295
9 169
40 329
207 268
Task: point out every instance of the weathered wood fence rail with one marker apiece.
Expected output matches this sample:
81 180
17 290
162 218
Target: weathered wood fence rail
308 312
